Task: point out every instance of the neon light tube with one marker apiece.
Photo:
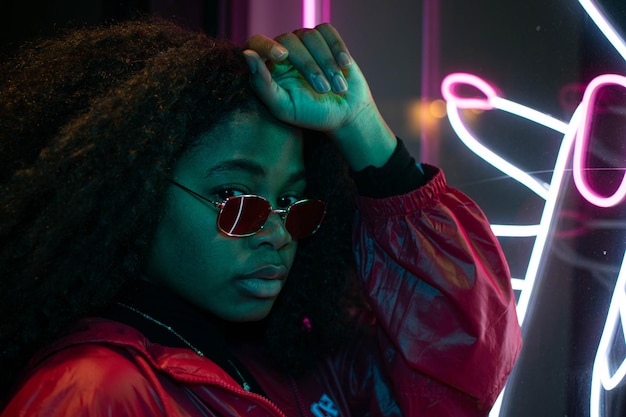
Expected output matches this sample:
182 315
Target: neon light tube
315 12
605 27
582 144
490 101
515 230
309 13
601 375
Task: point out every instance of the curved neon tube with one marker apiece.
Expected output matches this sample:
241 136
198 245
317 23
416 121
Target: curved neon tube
582 144
492 101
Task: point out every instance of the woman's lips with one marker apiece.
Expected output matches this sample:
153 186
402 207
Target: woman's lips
264 282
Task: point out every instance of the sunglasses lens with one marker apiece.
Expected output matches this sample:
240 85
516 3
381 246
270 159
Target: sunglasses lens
304 218
243 215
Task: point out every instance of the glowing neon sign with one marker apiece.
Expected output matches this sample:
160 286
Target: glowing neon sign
583 140
548 192
605 26
575 134
493 101
315 12
603 377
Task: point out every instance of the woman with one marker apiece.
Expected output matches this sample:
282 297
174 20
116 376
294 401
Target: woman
176 237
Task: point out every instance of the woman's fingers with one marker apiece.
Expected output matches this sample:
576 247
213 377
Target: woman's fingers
336 44
267 48
323 58
304 58
318 54
263 83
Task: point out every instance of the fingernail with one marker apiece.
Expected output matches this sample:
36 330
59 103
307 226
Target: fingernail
320 84
344 60
339 83
278 52
252 64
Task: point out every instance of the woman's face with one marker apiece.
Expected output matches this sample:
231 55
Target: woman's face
235 278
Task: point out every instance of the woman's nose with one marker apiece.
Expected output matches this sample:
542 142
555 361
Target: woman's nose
273 232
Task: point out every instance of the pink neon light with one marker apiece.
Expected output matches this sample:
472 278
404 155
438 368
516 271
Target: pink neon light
452 82
326 11
309 13
491 100
582 144
450 86
431 52
315 12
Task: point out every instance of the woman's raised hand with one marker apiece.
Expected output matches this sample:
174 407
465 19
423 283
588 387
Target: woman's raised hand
307 78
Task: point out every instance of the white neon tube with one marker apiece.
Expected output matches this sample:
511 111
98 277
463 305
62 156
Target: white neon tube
605 27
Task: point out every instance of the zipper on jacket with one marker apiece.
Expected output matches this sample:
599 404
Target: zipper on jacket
296 393
236 389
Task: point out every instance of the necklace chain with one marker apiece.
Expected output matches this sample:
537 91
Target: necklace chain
165 326
244 383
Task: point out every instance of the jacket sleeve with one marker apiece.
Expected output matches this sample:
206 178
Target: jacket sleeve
87 381
439 286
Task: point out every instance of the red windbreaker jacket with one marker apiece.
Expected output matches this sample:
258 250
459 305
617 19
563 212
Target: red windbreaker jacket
442 341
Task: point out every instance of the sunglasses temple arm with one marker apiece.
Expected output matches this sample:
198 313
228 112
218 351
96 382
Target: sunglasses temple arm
195 194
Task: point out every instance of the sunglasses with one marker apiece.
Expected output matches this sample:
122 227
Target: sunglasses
245 215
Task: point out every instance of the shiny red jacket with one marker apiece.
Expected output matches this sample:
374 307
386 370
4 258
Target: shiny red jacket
442 342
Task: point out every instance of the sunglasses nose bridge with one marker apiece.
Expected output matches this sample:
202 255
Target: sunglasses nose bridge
247 215
274 229
282 213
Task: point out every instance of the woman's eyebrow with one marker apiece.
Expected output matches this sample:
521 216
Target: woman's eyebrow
245 165
250 167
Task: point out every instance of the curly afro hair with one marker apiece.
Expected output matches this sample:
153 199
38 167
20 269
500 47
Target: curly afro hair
91 124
